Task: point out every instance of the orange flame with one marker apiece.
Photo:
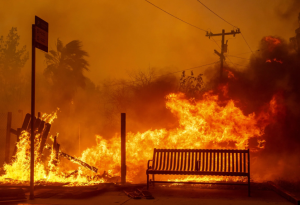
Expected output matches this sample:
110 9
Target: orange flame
274 60
202 124
272 42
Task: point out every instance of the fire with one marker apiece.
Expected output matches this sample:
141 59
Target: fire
274 60
202 124
272 42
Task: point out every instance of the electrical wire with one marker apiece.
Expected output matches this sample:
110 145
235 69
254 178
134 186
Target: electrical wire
176 16
238 57
216 14
247 43
228 23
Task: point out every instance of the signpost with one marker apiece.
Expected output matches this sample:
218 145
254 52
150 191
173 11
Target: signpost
39 40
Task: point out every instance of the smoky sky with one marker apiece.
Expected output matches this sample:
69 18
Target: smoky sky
126 35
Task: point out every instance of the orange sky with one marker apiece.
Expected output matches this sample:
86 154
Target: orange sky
121 36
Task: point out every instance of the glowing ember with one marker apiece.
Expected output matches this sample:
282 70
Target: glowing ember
274 60
230 74
272 42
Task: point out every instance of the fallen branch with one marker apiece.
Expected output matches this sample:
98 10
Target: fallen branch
74 160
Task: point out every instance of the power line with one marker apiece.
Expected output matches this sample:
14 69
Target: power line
246 52
216 14
247 43
192 68
226 22
123 83
238 57
175 16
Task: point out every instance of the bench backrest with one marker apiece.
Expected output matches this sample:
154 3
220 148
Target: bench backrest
204 160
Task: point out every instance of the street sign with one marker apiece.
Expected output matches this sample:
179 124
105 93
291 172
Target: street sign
41 34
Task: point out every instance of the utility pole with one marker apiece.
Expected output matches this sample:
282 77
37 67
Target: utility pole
223 46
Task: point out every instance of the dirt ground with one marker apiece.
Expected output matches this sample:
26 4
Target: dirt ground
175 196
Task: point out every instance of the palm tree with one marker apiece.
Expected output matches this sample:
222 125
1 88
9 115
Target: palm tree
65 67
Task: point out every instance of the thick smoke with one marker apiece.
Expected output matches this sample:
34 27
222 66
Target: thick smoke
273 73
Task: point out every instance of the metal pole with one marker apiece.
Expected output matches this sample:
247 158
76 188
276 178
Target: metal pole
222 54
79 139
123 148
7 147
32 115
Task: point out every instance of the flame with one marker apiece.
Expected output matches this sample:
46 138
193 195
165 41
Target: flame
202 124
272 42
230 74
49 118
274 60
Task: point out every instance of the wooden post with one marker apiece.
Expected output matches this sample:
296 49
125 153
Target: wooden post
123 148
79 140
222 54
7 147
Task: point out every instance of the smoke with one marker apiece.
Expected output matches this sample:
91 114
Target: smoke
288 10
272 74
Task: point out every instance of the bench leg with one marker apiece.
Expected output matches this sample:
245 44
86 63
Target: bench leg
249 185
153 179
147 181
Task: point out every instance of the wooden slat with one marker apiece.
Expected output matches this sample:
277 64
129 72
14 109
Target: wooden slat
218 162
37 124
237 162
168 159
214 161
189 161
222 159
41 127
211 163
229 162
225 164
244 155
206 161
200 160
26 121
240 162
181 161
184 161
171 163
164 162
160 160
156 157
193 160
177 160
44 137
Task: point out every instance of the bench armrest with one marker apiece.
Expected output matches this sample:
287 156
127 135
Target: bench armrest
149 167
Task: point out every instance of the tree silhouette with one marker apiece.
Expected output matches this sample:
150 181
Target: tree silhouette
65 67
12 60
191 85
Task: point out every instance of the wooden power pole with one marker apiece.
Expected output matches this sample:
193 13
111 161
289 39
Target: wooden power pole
223 46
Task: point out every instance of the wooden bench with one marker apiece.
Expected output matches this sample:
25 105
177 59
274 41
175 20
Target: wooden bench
216 162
